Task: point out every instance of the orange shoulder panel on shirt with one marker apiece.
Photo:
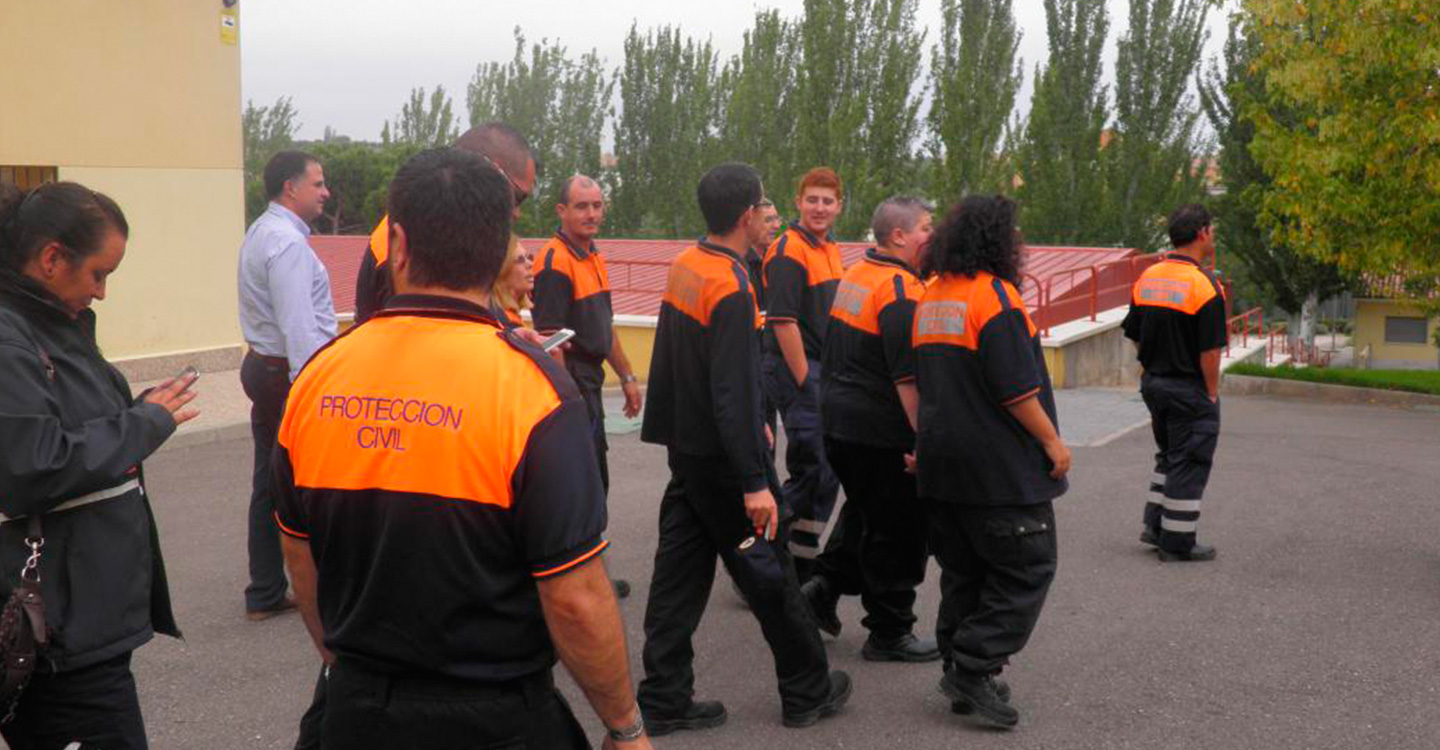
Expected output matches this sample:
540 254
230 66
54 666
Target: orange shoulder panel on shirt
1176 285
865 290
956 308
380 241
698 280
450 419
587 277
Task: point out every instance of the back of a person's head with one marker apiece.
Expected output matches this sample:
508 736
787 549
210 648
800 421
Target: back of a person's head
821 177
978 234
502 144
455 211
69 213
725 193
901 212
284 167
1186 223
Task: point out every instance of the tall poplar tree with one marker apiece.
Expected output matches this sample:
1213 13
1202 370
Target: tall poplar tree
974 76
667 132
758 127
1154 160
425 122
1062 193
559 103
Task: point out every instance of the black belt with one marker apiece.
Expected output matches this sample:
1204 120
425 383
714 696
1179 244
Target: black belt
537 687
269 360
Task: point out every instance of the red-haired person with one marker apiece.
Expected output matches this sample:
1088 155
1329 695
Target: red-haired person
802 271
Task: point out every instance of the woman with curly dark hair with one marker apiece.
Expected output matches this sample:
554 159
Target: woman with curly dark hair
987 452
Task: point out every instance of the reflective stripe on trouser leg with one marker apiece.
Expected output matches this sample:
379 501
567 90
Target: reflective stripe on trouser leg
1179 523
1153 507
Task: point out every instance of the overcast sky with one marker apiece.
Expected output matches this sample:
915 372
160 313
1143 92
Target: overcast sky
350 65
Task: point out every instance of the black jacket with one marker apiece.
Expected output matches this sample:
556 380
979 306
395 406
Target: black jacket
70 429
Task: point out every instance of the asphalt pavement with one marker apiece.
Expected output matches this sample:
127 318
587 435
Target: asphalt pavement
1316 627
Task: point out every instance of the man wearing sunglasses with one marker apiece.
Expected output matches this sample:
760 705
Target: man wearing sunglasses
496 142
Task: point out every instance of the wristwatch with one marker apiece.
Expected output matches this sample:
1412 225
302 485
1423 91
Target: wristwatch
631 733
627 379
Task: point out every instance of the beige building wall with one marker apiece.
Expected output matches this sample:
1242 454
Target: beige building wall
1370 317
139 100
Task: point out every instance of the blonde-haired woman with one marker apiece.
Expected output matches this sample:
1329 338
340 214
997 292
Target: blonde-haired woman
513 286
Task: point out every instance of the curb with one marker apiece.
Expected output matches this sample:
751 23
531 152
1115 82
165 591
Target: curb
221 433
1250 385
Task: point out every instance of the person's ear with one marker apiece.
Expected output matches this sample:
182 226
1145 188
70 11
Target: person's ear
399 257
49 259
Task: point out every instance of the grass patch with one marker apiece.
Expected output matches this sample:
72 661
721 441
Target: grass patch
1413 381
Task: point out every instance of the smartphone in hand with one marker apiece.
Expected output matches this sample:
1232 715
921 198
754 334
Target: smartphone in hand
556 339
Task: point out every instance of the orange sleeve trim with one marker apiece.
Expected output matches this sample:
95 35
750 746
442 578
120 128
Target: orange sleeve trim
906 379
573 563
778 318
1021 397
287 529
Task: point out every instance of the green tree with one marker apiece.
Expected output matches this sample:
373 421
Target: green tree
858 100
1356 166
426 123
265 131
1153 161
667 133
1293 282
759 124
974 76
358 176
560 104
1058 157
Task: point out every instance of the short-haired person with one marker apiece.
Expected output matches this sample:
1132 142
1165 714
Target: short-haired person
802 270
497 143
869 406
441 561
988 452
1177 319
286 315
516 281
704 407
755 255
572 290
73 439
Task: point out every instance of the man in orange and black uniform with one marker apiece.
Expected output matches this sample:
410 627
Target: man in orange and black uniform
704 406
802 271
1177 319
868 405
501 145
442 512
572 290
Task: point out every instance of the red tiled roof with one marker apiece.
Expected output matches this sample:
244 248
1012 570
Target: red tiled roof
1396 286
638 268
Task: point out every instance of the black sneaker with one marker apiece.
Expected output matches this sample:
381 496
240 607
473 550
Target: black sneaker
963 707
840 687
822 605
1197 553
1150 536
700 715
622 588
906 648
980 691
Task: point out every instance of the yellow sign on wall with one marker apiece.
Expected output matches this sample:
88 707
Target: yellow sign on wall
229 21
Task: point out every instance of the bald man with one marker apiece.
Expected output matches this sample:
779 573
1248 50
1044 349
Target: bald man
496 142
572 290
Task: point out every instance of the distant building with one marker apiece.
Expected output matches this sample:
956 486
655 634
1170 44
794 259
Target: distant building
140 101
1392 333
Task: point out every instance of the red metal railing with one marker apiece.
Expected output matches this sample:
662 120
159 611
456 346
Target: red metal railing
1250 322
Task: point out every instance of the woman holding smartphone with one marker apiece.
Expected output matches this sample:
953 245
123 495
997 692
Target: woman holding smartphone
74 438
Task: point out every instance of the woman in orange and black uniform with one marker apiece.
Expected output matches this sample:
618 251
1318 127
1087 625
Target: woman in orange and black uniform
513 287
987 451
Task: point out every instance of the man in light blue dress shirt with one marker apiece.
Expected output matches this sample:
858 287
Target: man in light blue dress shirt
286 315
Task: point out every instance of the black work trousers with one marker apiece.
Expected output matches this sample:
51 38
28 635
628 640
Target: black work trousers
702 516
878 546
369 711
1186 425
811 487
266 381
595 404
96 706
996 565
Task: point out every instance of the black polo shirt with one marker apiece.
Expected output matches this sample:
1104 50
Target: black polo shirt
976 353
572 290
1177 312
435 488
801 274
703 394
868 351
